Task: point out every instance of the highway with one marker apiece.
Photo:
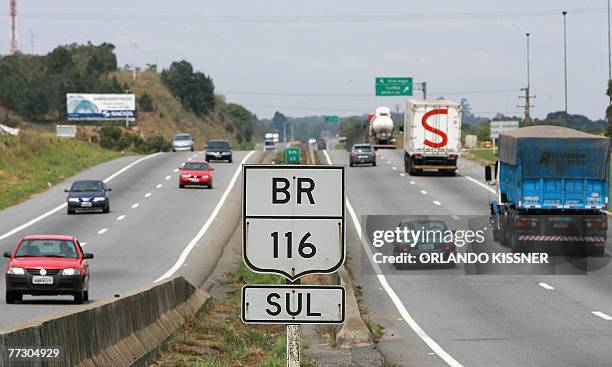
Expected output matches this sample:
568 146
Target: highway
141 240
439 317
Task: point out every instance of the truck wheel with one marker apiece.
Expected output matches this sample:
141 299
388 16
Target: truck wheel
599 251
515 244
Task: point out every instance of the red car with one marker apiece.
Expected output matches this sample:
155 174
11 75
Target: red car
47 265
196 173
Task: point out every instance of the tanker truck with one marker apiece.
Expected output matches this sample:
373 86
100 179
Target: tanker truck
380 131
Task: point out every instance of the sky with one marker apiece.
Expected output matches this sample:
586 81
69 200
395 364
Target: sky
321 57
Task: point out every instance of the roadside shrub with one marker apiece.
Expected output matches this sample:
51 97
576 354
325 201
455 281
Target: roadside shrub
109 137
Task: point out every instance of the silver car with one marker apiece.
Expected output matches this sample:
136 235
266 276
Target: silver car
182 142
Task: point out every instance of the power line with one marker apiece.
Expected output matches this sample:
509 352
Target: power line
357 95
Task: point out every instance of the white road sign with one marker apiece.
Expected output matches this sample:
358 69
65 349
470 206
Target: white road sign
293 304
293 219
499 127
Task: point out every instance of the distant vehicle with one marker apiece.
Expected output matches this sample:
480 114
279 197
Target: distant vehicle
196 173
312 141
274 137
269 145
88 195
362 154
431 239
219 150
380 130
552 188
182 142
47 265
321 144
432 136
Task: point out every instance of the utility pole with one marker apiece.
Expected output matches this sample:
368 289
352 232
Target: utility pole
564 12
32 38
13 13
423 87
527 90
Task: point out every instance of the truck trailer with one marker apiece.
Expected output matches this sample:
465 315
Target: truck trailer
552 187
432 136
380 129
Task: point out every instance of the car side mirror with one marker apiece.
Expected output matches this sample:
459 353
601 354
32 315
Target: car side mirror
88 255
66 190
7 254
181 168
212 168
109 189
488 174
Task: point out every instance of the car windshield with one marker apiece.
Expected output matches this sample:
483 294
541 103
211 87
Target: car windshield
196 166
269 143
87 186
362 148
218 145
182 137
48 248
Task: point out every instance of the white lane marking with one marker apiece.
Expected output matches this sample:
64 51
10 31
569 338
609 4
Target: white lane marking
148 194
437 202
394 168
423 192
484 186
135 205
546 286
60 207
168 177
412 182
189 158
388 162
455 217
602 315
207 224
83 244
402 174
159 186
102 231
121 217
381 157
176 170
391 293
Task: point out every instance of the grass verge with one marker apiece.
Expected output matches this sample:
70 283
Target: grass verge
30 163
217 337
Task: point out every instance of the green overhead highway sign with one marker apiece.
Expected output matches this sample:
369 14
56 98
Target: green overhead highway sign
333 119
393 86
292 156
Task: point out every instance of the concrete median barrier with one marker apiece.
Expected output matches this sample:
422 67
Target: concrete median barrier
123 331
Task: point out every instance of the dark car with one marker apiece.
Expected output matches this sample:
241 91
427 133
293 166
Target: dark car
321 144
88 195
219 150
47 265
432 238
362 154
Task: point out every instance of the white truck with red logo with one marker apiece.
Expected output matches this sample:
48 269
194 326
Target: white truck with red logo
432 136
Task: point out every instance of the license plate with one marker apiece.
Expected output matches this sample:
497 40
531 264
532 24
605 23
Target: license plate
195 180
85 205
363 157
38 279
426 246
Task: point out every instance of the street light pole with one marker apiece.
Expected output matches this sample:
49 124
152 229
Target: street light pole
564 12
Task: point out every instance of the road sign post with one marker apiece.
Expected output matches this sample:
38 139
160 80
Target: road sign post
331 119
293 225
393 86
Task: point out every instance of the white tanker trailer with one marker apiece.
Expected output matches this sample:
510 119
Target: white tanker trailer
380 131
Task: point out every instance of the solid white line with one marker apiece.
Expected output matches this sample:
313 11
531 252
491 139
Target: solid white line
148 194
391 293
121 217
423 192
437 202
207 224
135 205
412 182
484 186
394 168
102 231
189 158
602 315
168 177
159 186
60 207
402 174
546 286
388 162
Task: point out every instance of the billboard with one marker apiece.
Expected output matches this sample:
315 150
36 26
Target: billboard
498 127
101 107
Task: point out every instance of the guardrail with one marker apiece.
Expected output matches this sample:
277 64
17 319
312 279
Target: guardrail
125 331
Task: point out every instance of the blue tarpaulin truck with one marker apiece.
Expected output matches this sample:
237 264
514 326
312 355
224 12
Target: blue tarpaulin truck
552 188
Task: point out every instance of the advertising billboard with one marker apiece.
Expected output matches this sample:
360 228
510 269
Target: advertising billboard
101 107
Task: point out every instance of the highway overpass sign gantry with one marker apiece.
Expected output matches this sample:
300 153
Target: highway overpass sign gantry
293 219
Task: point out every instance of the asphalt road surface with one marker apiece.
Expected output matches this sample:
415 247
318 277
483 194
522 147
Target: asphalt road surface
150 224
439 317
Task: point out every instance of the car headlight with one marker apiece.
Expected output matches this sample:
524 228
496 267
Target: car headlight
99 199
70 271
73 200
16 271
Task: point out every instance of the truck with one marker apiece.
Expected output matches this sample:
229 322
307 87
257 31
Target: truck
552 187
380 129
432 136
270 139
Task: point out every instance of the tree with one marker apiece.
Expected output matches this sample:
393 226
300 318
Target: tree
196 91
146 102
243 120
279 122
59 59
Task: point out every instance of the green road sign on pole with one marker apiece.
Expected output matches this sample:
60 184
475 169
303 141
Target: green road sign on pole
332 119
393 86
292 156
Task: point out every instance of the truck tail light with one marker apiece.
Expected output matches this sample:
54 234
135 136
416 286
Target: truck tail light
452 157
418 156
526 222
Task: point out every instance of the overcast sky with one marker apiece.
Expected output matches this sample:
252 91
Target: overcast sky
321 57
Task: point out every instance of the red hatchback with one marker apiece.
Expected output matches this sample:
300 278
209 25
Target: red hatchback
47 265
196 173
